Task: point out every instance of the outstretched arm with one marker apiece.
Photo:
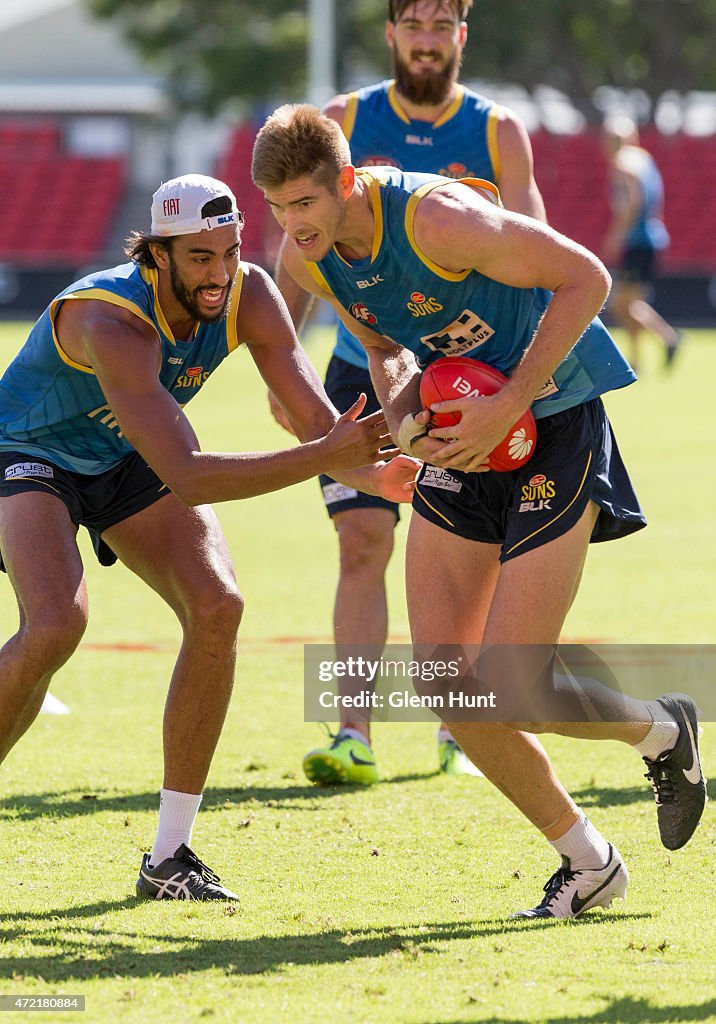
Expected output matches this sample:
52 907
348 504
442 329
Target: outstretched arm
124 353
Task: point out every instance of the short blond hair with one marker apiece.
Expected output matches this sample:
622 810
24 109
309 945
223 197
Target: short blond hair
298 140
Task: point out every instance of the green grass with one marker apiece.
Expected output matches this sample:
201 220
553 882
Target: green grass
385 905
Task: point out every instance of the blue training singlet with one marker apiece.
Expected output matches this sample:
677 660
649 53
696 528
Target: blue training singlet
648 231
462 143
434 312
51 406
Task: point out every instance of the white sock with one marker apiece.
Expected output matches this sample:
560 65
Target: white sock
444 734
177 814
583 845
355 734
662 736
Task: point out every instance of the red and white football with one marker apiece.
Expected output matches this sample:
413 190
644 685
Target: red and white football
457 377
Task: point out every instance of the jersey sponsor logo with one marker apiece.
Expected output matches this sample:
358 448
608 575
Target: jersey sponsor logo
455 170
360 311
379 161
171 207
333 493
536 495
375 279
465 333
194 377
418 140
548 388
21 469
419 305
107 420
175 361
436 477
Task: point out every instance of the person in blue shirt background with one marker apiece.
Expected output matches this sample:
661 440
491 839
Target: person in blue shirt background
636 237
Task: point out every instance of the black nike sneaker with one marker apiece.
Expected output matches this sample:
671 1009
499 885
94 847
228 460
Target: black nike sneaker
181 877
676 776
569 893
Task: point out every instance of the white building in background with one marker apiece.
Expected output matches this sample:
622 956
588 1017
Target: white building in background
57 59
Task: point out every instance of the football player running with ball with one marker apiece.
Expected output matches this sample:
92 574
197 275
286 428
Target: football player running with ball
421 120
511 292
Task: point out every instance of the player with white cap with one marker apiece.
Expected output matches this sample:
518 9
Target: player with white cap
92 433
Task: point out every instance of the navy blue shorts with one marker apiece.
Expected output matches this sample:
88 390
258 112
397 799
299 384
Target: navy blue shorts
93 501
576 460
344 382
638 265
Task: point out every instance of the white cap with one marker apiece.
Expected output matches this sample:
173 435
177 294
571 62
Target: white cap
177 206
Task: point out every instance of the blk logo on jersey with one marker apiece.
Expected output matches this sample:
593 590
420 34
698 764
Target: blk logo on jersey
421 305
360 311
536 494
375 279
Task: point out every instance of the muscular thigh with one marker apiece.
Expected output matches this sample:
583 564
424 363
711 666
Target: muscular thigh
39 552
180 551
535 590
450 583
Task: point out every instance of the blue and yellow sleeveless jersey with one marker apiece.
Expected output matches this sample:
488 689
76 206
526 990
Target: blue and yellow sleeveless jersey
53 407
648 231
462 143
434 312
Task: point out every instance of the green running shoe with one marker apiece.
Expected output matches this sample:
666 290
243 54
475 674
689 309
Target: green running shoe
453 761
346 760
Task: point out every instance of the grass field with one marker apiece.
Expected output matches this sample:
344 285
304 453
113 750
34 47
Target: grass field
385 905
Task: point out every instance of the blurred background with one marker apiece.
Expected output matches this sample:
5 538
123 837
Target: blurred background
102 99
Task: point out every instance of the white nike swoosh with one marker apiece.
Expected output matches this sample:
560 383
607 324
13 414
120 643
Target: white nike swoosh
693 775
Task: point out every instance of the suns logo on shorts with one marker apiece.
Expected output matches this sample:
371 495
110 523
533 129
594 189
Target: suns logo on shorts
360 311
536 494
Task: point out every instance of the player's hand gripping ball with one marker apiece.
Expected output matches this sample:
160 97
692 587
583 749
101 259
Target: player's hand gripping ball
456 377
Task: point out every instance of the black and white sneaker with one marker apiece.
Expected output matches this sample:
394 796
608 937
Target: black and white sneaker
676 776
569 893
181 877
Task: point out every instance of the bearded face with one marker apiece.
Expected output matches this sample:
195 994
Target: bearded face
427 42
430 86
